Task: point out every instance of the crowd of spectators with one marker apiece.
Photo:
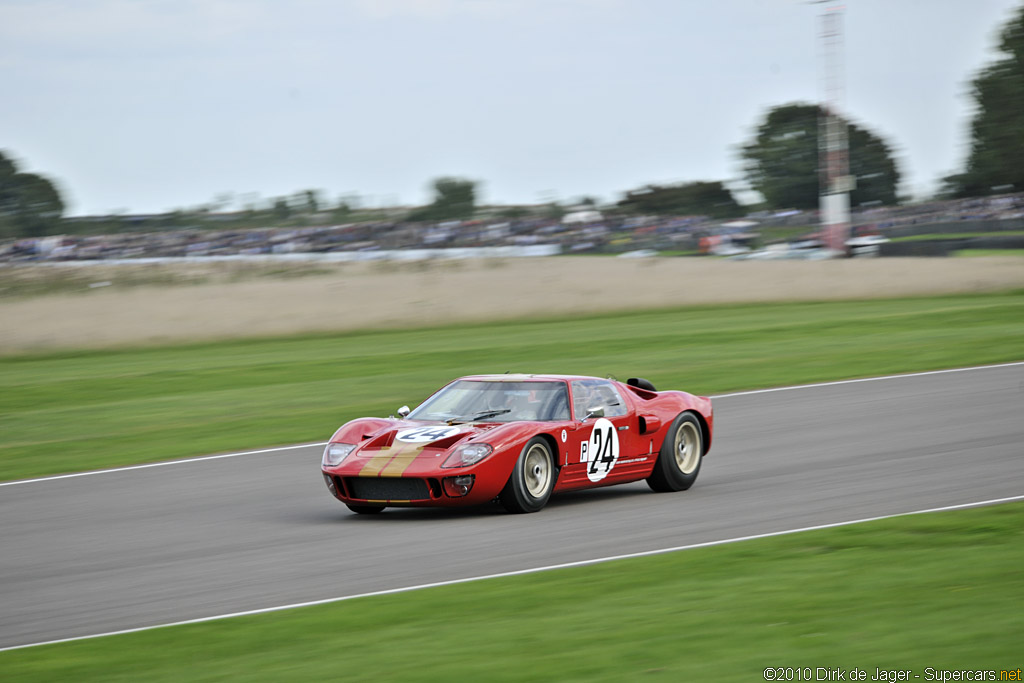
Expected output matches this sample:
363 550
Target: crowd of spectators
576 232
999 207
358 237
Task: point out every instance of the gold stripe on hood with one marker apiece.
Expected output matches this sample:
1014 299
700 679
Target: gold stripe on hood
405 455
393 461
375 464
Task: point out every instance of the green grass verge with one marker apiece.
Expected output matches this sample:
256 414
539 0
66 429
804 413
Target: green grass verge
678 252
79 411
956 236
941 590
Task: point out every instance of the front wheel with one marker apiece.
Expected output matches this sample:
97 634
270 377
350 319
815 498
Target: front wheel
680 456
532 479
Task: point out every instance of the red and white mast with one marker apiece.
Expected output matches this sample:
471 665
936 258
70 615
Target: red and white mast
835 182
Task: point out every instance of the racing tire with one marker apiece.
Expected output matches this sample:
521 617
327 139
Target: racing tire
365 509
532 480
680 457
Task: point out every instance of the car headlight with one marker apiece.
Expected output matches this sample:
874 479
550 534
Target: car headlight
468 454
336 452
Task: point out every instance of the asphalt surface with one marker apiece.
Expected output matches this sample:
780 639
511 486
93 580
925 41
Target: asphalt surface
136 548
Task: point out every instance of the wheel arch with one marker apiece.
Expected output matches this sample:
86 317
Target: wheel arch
516 449
705 431
552 443
517 496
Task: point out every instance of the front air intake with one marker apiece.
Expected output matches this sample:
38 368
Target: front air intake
388 488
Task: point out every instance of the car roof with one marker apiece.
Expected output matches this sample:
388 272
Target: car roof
509 377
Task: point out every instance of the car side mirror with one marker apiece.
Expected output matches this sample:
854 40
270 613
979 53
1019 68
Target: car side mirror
596 411
403 412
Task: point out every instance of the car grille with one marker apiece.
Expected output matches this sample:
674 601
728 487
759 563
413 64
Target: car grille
388 488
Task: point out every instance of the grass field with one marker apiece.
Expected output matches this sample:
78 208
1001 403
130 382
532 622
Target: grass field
941 590
79 411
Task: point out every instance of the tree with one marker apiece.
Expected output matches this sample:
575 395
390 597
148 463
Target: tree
782 161
281 210
30 205
453 198
306 201
997 130
689 199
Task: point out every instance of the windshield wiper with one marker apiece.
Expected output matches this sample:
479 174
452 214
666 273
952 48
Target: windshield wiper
483 414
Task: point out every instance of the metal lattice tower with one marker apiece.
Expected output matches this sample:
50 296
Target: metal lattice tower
835 181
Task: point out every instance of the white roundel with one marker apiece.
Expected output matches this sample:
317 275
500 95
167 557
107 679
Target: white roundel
602 449
426 434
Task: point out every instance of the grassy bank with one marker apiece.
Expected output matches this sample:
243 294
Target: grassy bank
956 236
941 590
78 411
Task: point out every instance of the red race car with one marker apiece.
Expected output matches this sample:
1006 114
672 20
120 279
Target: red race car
518 439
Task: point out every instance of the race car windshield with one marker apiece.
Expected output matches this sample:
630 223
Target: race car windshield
496 401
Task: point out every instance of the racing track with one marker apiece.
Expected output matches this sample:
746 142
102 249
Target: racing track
132 548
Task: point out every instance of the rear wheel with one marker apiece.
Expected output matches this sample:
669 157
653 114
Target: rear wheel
680 456
365 509
532 479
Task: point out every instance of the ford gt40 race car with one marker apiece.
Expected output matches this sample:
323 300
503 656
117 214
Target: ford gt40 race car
518 439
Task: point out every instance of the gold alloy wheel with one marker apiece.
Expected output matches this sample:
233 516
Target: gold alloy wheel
688 446
537 470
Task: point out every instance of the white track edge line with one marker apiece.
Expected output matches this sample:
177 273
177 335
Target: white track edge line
868 379
164 463
323 443
520 572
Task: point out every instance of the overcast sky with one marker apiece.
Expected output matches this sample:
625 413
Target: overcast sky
150 106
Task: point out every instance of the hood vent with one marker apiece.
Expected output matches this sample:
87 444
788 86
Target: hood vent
381 441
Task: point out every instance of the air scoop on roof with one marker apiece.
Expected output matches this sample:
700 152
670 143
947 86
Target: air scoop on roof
642 388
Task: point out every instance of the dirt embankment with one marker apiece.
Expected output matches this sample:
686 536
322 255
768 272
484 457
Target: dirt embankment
379 295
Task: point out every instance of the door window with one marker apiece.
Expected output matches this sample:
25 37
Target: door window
596 393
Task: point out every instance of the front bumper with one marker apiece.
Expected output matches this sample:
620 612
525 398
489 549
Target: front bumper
451 489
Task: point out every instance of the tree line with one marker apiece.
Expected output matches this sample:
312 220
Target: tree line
30 204
781 162
997 129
